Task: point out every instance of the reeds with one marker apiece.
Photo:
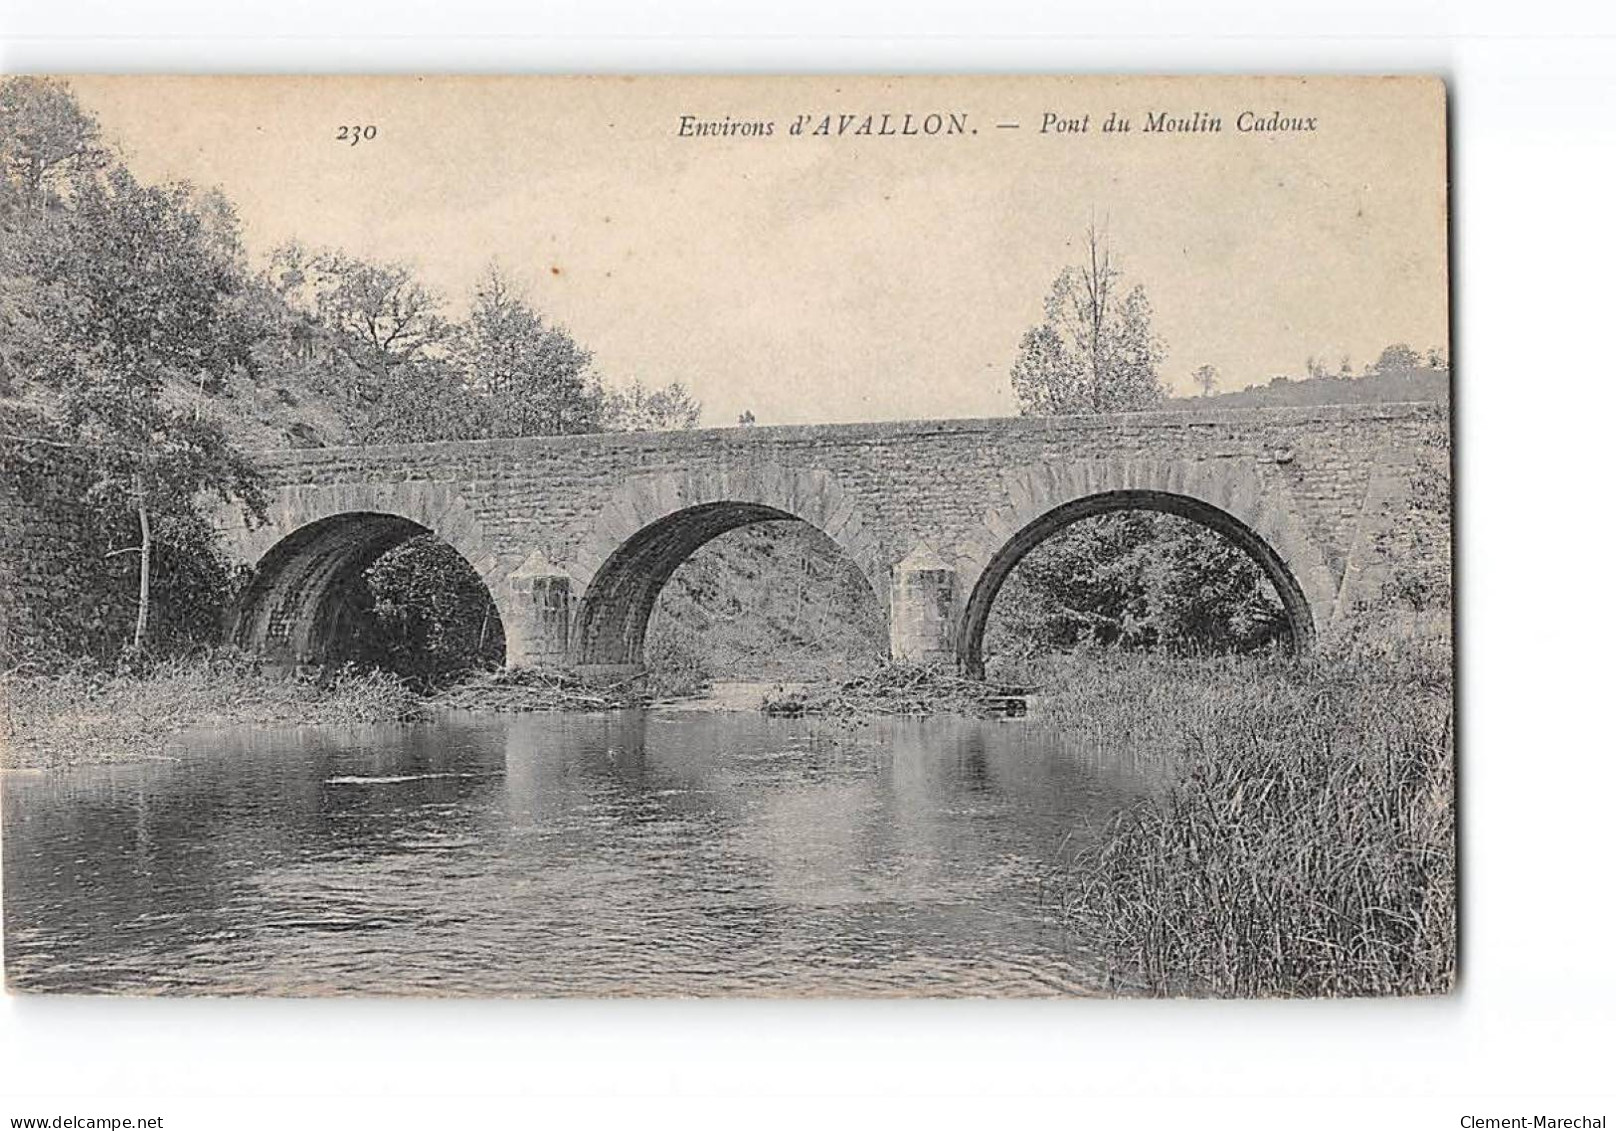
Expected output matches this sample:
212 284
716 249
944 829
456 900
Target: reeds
1304 842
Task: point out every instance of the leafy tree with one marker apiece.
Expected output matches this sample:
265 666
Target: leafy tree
422 402
1396 359
371 335
1095 350
122 317
424 613
1417 540
84 605
536 380
1206 379
636 408
46 138
1137 580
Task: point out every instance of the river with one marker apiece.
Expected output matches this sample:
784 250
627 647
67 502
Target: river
669 852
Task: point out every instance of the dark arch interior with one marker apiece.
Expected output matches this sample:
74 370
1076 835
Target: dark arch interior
308 594
1298 615
617 607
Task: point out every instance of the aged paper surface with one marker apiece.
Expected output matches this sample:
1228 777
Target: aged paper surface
656 220
749 536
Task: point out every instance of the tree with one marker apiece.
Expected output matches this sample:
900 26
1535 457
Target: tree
423 613
746 419
1095 350
636 408
377 339
1417 537
536 380
1137 580
45 139
1396 359
123 316
1128 578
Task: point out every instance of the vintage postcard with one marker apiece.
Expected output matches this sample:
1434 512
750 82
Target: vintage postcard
745 536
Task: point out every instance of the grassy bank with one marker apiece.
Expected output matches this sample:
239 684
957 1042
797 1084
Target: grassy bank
88 716
1304 843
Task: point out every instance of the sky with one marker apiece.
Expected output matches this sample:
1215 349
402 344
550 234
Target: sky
845 278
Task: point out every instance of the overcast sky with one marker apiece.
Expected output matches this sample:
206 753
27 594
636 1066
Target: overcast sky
854 278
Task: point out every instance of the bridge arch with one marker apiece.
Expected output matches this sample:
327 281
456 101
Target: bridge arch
318 541
653 524
1224 495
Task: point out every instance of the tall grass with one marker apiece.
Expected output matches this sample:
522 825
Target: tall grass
86 715
1303 843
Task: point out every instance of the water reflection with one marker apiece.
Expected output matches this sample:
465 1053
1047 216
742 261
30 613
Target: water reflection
664 853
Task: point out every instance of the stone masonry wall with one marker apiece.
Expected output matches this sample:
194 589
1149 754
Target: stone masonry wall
1322 479
931 478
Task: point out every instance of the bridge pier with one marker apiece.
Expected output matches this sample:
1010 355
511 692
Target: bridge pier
537 630
922 607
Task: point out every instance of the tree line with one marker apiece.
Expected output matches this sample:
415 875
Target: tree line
372 339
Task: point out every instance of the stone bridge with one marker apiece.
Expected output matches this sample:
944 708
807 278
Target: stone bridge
575 536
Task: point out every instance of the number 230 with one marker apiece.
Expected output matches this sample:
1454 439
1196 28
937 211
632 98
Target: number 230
353 135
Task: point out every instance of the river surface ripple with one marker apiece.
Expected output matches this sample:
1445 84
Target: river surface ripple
669 852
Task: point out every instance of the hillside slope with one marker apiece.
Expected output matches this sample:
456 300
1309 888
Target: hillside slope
1425 384
766 601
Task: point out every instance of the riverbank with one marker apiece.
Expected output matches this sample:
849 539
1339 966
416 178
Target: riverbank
524 690
85 716
1304 844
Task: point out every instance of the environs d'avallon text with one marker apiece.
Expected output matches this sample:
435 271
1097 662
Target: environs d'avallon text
955 123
